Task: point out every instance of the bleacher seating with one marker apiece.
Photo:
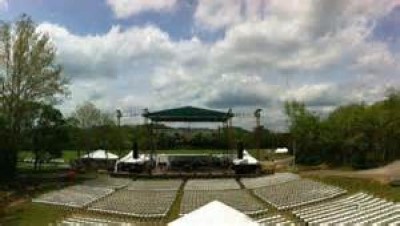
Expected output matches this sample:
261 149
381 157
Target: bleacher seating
137 203
277 178
297 193
275 219
211 184
108 182
74 196
241 200
356 209
311 202
90 221
155 185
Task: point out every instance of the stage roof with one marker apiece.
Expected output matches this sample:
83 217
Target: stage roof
188 114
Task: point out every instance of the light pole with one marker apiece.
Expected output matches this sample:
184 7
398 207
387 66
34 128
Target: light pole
119 116
257 114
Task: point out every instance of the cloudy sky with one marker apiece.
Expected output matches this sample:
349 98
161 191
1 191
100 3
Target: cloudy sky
239 54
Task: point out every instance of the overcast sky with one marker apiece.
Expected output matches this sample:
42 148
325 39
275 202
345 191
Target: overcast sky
239 54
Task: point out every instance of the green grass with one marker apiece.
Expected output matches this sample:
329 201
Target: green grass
31 214
356 185
24 212
68 155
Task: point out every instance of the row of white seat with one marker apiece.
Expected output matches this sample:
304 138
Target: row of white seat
239 199
274 220
74 196
108 182
90 221
358 208
269 180
297 193
211 184
138 203
159 185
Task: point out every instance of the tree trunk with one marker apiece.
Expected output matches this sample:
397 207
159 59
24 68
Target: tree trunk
36 153
8 160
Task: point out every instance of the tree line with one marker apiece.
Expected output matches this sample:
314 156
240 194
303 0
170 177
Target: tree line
359 135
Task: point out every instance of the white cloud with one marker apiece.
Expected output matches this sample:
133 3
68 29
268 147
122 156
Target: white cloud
271 52
3 4
109 54
320 15
218 13
127 8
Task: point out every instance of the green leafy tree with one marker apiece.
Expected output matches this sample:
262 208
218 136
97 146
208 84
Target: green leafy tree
28 74
357 135
305 129
49 134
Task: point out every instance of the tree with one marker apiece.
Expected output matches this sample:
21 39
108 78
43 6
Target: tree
95 127
357 135
49 134
89 116
305 130
28 74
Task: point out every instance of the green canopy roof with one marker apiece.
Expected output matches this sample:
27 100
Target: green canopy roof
188 114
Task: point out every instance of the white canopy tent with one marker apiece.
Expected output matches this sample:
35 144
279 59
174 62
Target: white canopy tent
246 160
214 213
100 155
143 158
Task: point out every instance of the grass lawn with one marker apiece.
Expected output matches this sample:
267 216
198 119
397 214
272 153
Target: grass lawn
356 185
21 211
31 214
68 155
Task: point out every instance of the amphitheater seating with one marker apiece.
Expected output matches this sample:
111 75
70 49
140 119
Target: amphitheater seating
310 201
241 200
137 203
90 221
173 185
74 196
359 208
277 178
108 182
274 219
141 198
297 193
211 184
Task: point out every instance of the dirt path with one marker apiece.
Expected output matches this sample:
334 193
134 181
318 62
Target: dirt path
383 174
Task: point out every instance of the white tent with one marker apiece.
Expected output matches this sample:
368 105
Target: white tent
246 160
100 155
214 213
129 159
281 151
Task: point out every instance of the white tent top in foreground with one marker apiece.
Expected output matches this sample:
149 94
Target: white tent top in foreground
214 213
100 155
246 160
